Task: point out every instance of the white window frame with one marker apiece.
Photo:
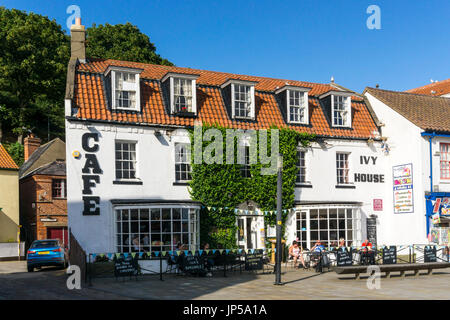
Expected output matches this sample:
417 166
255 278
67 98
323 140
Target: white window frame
188 148
136 171
128 86
193 227
354 229
250 84
171 78
303 107
349 181
347 120
444 158
299 166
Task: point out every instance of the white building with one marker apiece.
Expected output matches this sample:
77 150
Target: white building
128 156
417 128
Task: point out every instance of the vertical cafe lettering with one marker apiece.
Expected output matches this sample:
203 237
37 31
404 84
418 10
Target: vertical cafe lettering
91 174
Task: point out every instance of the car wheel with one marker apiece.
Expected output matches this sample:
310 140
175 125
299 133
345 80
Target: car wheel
30 269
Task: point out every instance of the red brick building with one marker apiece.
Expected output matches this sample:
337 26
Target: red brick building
43 195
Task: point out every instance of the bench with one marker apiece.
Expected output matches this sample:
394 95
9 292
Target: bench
388 268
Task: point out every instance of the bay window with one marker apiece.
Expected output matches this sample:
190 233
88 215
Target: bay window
156 228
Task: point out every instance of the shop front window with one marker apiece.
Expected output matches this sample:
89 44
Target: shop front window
327 225
147 229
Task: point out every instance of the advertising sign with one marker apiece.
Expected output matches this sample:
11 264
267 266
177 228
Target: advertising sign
377 204
403 188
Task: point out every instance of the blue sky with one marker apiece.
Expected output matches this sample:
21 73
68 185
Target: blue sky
309 40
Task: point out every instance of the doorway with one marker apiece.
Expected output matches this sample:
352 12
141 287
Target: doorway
247 236
58 233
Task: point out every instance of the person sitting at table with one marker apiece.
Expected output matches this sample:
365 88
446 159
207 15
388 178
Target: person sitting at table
315 253
296 253
367 253
341 243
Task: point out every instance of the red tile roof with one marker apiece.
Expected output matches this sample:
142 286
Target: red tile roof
6 162
91 99
433 89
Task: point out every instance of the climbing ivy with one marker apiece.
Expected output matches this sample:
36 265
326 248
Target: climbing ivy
223 188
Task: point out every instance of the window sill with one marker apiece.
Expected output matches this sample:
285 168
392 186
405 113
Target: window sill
180 183
132 182
345 186
303 185
187 114
125 109
244 118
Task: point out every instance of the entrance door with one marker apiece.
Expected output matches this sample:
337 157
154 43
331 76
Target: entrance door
246 236
58 233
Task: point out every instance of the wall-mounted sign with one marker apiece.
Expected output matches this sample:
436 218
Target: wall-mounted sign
403 188
377 204
91 175
48 220
442 206
369 177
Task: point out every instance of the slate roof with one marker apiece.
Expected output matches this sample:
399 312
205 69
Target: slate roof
91 100
427 112
55 168
6 162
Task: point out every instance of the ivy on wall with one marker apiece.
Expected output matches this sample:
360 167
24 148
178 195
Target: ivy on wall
223 186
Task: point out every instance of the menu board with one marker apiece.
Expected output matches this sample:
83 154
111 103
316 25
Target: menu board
403 188
192 264
390 255
429 254
125 266
371 224
344 257
254 261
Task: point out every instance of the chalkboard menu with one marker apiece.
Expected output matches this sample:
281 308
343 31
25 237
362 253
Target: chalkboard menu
192 264
126 266
429 254
344 257
390 255
372 230
254 261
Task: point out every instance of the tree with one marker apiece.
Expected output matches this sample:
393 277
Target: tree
121 42
33 59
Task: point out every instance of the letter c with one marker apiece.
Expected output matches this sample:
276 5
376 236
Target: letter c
85 142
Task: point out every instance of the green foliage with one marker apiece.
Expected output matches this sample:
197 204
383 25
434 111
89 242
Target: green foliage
222 186
16 151
33 59
121 42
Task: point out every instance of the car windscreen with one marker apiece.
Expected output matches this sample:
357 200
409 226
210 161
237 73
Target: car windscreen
44 244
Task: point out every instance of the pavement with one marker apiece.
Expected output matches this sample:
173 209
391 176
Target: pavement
50 283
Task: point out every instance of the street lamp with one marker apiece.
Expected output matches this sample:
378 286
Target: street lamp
279 208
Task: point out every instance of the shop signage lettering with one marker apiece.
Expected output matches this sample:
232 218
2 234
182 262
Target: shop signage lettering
369 177
403 188
91 174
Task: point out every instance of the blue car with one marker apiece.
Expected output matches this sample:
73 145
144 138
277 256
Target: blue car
48 252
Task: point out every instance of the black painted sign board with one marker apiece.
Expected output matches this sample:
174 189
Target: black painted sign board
254 261
390 255
372 231
126 266
192 264
344 257
429 254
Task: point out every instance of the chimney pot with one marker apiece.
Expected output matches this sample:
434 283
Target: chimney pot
31 143
78 21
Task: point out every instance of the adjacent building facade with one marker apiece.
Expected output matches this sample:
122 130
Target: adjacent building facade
128 153
417 128
43 190
9 207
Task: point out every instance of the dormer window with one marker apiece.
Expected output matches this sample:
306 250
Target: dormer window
341 110
339 107
125 88
242 98
182 91
295 100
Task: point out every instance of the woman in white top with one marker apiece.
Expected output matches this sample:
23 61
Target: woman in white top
296 252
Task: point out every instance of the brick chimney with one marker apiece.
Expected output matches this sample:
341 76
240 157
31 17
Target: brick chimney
78 41
31 143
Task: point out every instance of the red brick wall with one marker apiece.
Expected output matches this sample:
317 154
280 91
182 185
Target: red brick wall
38 189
